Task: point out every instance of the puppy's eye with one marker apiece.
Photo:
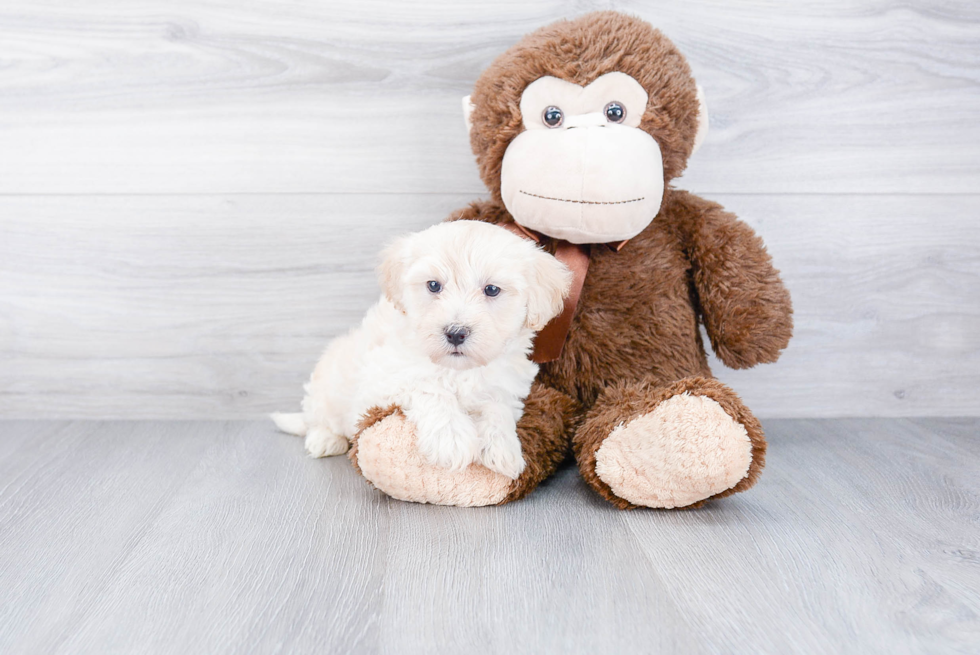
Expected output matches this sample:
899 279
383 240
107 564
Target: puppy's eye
491 290
552 116
433 286
615 112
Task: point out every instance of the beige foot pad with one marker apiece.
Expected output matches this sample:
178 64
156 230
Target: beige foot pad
388 458
685 450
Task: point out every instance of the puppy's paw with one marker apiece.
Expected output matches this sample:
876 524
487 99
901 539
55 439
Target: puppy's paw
454 445
321 442
502 454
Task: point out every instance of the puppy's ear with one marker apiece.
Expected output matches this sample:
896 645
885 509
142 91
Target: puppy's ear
548 284
702 132
468 108
394 260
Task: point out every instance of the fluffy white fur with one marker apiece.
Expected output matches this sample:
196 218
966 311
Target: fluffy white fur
464 399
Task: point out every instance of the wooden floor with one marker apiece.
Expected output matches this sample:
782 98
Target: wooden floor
210 537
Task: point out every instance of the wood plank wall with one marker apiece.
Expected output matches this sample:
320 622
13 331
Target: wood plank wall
192 193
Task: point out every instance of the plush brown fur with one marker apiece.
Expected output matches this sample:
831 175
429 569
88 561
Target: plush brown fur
549 415
634 341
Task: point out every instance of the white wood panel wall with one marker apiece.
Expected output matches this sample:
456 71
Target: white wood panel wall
192 193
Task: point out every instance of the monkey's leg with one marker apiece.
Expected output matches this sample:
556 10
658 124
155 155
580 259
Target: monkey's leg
385 453
677 445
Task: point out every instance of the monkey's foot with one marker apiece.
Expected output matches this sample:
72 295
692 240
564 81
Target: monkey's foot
673 447
386 454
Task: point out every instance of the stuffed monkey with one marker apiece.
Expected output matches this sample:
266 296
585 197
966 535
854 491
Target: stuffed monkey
578 131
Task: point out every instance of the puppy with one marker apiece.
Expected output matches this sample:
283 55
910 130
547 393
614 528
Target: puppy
448 342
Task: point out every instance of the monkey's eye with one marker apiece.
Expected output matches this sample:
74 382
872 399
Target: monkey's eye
433 286
552 116
615 112
491 290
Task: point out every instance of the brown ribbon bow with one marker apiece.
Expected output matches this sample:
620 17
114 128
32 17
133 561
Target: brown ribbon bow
550 341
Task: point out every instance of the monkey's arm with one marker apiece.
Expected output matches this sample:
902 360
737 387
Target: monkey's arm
744 306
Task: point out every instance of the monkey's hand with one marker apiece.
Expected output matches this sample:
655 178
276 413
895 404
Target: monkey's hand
744 306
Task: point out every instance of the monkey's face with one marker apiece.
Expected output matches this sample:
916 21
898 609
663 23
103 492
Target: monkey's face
583 170
578 127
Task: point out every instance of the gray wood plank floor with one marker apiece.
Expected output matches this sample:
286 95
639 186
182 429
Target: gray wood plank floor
222 537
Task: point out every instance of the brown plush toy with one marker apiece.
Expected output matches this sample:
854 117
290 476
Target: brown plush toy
578 131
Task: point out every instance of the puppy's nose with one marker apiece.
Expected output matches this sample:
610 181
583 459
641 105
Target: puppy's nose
457 335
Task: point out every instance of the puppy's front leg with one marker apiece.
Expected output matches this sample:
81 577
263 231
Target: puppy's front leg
501 447
446 434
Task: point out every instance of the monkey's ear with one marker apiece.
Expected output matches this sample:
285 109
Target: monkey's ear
702 121
468 108
394 260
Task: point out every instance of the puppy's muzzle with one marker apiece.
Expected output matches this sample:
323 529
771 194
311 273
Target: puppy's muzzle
456 335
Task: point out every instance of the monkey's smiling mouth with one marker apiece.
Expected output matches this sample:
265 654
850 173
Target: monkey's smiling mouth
583 202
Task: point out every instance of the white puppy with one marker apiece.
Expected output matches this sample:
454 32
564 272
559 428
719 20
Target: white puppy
448 342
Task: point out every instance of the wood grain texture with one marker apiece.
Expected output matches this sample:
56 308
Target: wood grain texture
192 193
217 307
224 97
181 537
